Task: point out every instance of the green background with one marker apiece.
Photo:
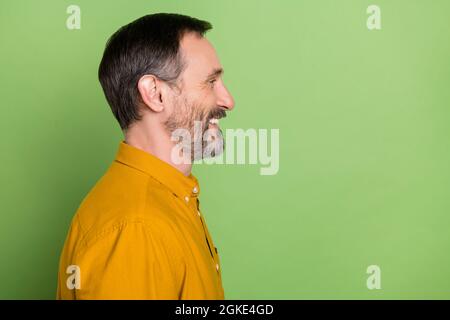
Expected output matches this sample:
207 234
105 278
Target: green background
364 143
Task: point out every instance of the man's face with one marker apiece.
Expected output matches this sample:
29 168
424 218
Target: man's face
203 98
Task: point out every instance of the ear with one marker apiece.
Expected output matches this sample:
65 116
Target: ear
150 90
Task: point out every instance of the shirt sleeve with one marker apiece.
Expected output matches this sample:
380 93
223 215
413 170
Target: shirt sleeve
134 260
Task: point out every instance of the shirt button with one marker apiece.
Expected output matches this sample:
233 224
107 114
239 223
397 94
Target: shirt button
186 199
217 266
195 190
198 212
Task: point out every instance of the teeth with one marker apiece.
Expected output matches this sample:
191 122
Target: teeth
214 121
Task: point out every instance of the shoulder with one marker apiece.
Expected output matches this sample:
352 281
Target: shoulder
130 241
117 207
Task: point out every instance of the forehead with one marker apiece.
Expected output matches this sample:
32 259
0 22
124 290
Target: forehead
200 56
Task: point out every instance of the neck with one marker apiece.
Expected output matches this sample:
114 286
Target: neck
154 139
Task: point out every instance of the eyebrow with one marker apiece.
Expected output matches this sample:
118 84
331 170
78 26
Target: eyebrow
215 73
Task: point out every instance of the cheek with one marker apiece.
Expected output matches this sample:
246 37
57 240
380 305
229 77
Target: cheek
168 112
206 98
196 106
171 105
198 110
210 98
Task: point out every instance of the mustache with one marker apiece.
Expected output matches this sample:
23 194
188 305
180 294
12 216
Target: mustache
217 114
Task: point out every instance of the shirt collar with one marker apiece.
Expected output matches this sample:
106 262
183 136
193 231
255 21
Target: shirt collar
181 185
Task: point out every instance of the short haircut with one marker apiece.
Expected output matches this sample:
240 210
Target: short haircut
148 45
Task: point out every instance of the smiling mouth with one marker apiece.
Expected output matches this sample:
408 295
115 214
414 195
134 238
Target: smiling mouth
215 119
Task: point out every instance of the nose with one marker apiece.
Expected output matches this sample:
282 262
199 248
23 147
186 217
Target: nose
225 99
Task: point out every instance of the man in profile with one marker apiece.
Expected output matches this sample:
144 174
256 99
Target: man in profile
140 233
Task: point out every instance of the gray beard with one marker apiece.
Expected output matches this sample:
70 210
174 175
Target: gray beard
209 148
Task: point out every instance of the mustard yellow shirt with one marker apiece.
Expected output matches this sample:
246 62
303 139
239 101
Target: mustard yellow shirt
140 234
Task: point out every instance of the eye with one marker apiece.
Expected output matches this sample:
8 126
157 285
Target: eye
212 81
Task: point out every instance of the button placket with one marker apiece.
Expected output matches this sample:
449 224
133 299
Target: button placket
205 233
195 191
